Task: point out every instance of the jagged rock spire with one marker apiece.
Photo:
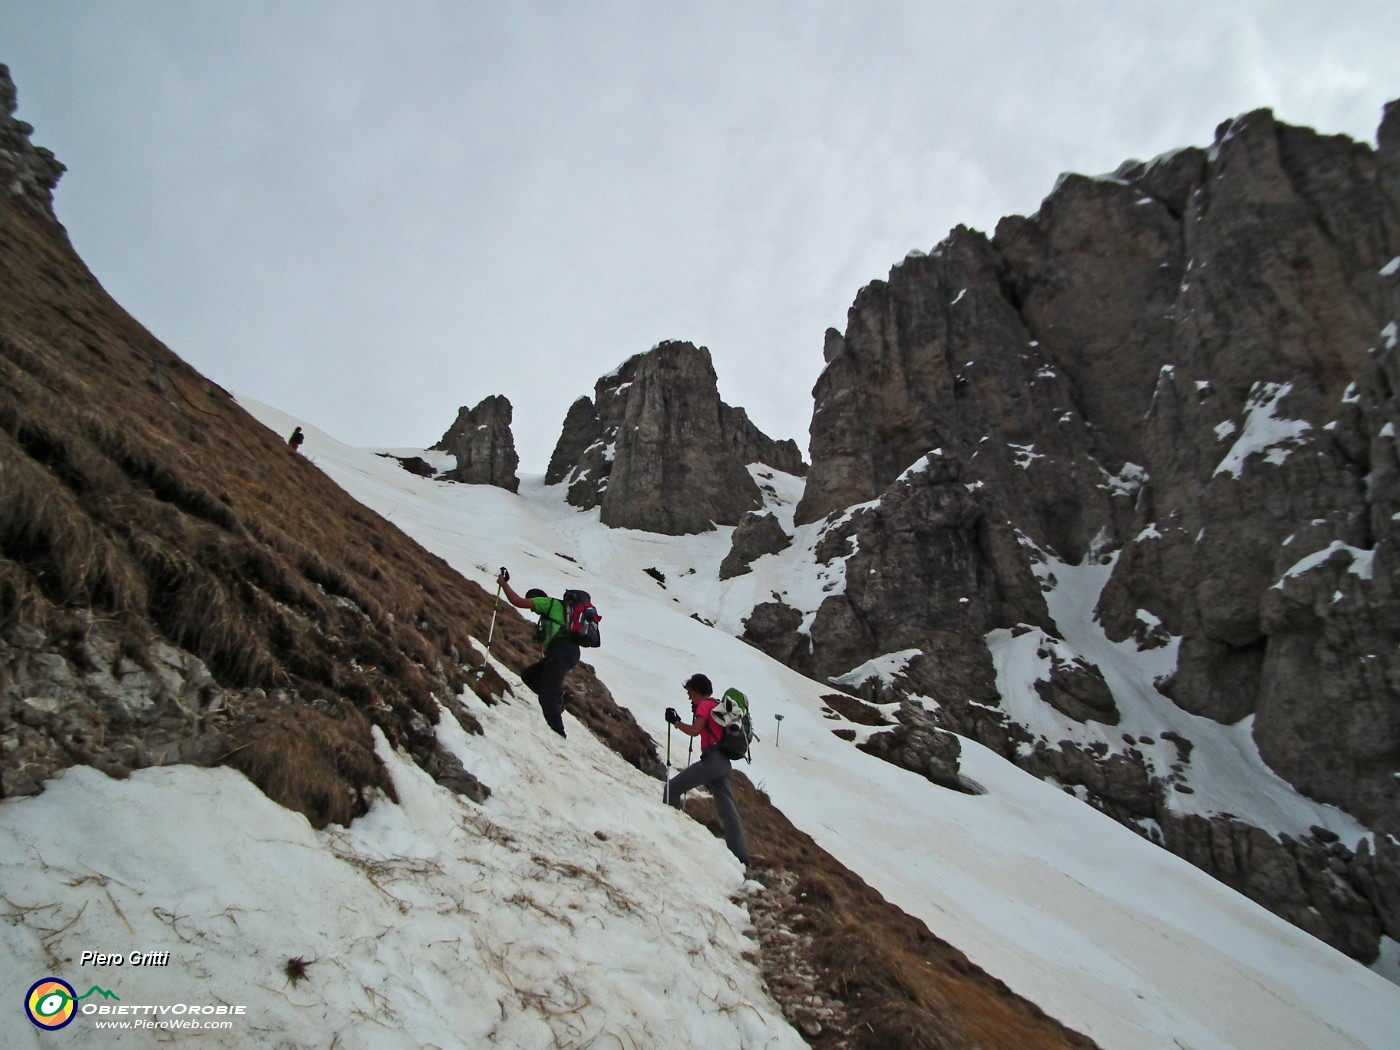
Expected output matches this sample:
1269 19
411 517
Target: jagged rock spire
484 445
658 450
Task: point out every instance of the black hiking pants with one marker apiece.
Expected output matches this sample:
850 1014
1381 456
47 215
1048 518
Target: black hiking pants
546 678
713 769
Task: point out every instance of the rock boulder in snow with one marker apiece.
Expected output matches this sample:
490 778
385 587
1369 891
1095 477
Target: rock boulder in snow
919 746
757 535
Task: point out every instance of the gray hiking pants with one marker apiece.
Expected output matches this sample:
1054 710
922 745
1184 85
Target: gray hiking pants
713 769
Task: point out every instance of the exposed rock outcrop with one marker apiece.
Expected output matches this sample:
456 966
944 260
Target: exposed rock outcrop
101 707
919 746
757 535
1185 370
658 450
482 441
924 568
1315 883
27 172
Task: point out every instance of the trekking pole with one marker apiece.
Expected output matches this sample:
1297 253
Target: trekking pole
778 735
666 791
495 609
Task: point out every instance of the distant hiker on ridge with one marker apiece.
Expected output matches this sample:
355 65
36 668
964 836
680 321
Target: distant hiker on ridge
713 768
561 651
294 442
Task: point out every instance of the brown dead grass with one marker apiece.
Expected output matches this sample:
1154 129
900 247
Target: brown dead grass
902 988
594 707
309 760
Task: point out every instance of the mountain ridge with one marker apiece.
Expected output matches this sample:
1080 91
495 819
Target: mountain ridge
160 414
1183 370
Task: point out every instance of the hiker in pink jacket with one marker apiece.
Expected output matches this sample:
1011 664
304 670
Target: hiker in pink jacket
712 769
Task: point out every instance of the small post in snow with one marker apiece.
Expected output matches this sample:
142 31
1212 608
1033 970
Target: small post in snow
778 735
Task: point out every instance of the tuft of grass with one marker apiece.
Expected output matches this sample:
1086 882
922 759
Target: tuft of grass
50 539
295 969
313 762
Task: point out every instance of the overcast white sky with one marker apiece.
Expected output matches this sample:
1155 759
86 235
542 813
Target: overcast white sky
371 213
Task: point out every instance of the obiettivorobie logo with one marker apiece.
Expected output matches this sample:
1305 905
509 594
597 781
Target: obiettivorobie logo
52 1003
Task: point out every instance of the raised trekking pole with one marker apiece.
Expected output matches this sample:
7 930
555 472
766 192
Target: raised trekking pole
778 735
495 609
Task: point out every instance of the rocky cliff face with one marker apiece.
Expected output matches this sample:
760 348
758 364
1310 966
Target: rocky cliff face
484 445
658 450
28 173
1185 371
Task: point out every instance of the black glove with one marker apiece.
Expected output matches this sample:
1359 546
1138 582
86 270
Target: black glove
671 716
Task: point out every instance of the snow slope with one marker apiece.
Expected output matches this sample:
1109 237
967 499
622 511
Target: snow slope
573 909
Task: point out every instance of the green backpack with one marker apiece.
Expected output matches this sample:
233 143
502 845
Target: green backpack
731 714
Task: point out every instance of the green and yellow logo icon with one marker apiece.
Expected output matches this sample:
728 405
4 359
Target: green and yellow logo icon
51 1003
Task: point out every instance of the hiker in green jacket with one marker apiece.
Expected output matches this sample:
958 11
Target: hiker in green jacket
546 675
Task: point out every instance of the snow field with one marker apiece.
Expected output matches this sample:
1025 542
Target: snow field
571 909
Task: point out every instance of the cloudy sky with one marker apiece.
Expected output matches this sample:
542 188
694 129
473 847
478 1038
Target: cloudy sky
371 213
